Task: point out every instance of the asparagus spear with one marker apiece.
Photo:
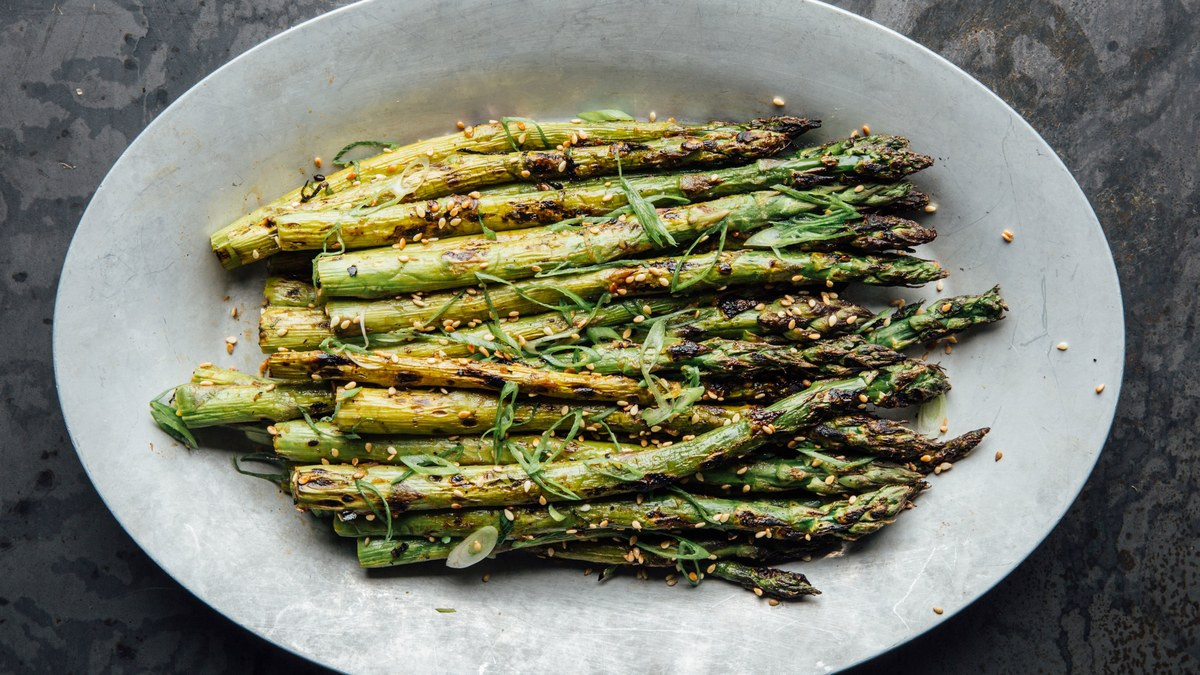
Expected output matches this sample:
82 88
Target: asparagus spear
408 371
420 412
253 236
913 324
453 263
783 519
459 215
771 582
292 328
339 488
889 438
208 374
707 271
818 473
836 357
302 443
284 292
796 318
465 340
203 405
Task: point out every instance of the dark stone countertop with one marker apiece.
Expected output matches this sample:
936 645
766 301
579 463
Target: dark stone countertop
1111 84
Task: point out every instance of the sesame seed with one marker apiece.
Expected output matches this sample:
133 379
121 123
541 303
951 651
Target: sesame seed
1007 236
317 162
524 173
999 455
931 208
758 591
1099 388
464 414
859 188
562 166
281 332
939 286
460 125
777 100
926 458
509 514
938 610
639 318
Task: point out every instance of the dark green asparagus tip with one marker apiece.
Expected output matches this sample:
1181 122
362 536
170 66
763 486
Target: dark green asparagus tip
884 233
770 582
957 448
785 124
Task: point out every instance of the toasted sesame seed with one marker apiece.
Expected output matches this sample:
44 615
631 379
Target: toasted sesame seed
746 488
562 166
926 458
938 610
509 514
1062 347
639 318
931 208
464 414
859 188
1100 389
777 100
1007 236
758 591
999 455
524 173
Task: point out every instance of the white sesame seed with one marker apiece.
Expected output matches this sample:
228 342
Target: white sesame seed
1062 347
777 100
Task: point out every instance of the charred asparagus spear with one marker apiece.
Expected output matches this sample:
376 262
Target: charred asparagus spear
459 215
302 443
338 487
783 519
763 581
409 371
203 405
424 412
815 472
699 273
889 438
520 254
836 357
284 292
253 236
913 324
716 555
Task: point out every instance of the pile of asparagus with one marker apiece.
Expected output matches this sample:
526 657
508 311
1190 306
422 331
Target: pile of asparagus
603 340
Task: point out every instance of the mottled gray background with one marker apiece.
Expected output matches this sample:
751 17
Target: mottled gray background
1111 84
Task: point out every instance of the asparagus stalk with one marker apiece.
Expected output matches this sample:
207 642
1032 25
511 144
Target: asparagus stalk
408 371
465 340
701 272
453 263
203 405
284 292
302 443
770 582
784 520
253 236
889 438
339 488
459 215
797 318
913 324
827 476
836 357
421 412
292 328
208 374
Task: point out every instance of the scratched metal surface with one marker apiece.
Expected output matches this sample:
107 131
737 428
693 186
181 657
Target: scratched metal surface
1108 85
